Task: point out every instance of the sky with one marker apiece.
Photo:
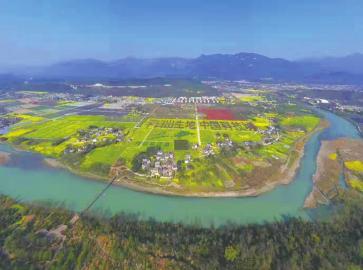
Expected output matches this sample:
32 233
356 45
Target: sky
39 32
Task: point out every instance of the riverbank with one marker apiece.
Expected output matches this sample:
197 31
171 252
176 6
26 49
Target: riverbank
54 163
326 177
331 174
285 176
4 157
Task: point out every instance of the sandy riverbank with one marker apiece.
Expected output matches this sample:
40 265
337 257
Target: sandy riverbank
330 167
4 158
283 177
326 176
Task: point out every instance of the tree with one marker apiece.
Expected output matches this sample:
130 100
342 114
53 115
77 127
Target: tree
231 253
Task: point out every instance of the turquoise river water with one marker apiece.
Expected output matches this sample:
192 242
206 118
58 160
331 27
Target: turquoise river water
27 179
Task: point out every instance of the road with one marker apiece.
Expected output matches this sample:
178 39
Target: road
197 123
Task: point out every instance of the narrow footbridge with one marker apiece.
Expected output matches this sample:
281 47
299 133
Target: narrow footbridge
99 195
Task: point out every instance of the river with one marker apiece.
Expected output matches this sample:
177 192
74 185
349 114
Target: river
27 179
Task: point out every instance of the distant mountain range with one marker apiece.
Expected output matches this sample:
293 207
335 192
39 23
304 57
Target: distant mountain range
352 63
241 66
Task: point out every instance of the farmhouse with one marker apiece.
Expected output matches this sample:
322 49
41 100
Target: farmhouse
162 164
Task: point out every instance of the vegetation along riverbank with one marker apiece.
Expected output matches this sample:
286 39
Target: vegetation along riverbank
35 237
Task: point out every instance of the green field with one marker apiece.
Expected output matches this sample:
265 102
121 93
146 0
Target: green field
254 144
107 155
307 122
64 127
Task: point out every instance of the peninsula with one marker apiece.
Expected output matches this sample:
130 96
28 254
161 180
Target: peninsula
235 143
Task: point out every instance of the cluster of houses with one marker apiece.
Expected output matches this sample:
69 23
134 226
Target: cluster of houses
208 150
115 103
93 137
333 105
249 145
223 142
314 101
226 143
160 165
272 135
189 100
163 164
188 159
8 121
198 100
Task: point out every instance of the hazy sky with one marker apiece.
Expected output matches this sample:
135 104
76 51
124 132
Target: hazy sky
44 31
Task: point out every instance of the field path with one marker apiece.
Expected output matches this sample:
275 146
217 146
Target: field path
197 123
138 124
147 135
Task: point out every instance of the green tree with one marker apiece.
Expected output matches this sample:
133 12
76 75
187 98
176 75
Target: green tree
231 253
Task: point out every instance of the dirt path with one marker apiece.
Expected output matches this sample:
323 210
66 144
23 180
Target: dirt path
197 123
146 136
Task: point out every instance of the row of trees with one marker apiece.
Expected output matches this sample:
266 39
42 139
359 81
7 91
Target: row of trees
126 242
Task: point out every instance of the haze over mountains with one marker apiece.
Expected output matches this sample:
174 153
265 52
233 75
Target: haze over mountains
241 66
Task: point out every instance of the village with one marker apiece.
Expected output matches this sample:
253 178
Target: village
94 137
160 165
6 121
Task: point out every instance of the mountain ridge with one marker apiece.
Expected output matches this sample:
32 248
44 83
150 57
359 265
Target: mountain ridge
239 66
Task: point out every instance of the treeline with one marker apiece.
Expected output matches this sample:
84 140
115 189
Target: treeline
30 238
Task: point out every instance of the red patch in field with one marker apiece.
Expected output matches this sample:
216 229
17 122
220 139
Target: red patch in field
217 114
